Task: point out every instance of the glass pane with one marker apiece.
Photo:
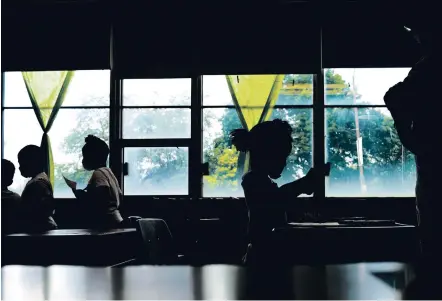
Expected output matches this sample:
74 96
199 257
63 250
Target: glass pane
156 123
224 179
382 167
157 171
67 136
15 93
297 89
364 86
87 88
20 129
300 160
157 92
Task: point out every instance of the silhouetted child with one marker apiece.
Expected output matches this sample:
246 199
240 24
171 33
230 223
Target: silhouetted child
10 200
102 195
37 199
269 144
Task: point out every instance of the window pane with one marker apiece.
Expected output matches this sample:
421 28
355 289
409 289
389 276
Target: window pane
300 160
87 88
225 179
297 89
67 136
364 86
388 169
156 171
156 123
15 93
157 92
20 129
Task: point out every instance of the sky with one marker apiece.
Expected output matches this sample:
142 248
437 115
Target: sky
373 83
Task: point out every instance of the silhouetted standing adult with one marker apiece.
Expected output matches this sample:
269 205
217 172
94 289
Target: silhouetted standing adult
415 107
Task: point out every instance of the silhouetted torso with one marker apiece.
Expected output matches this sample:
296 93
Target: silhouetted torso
104 208
422 93
264 204
10 211
37 205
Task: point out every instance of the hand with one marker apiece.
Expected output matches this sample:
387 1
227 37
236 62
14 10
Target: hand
310 180
71 184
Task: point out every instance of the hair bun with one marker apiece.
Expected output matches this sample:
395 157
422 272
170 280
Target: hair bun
240 139
91 139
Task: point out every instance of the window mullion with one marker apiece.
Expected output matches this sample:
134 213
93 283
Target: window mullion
195 149
319 125
3 115
115 121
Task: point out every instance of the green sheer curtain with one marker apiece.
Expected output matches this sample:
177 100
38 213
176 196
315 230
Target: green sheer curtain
47 90
254 97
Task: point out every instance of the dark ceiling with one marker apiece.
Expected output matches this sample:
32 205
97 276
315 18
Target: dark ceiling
176 38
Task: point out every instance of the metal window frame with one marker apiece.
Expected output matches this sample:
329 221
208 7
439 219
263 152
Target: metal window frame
259 107
192 143
63 107
319 122
109 107
2 114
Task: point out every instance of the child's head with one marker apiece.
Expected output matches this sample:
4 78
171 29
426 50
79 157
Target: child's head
31 160
269 143
8 171
95 153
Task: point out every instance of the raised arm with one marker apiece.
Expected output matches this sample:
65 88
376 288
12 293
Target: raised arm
293 189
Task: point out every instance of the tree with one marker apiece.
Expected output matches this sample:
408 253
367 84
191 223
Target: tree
151 170
383 152
88 122
157 170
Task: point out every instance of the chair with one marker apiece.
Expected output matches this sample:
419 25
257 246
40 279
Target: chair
158 246
130 222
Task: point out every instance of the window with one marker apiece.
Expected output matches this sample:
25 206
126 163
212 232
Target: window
160 143
156 135
368 159
84 111
293 103
156 171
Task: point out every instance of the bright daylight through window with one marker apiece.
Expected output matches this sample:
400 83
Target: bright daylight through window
361 142
156 109
291 99
368 159
84 111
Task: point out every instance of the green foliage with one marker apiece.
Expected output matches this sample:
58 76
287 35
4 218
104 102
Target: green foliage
89 122
382 156
381 144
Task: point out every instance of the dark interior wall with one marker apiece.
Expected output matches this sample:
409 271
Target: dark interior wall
170 40
156 39
55 36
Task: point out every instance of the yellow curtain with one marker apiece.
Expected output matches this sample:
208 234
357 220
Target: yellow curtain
254 97
46 91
